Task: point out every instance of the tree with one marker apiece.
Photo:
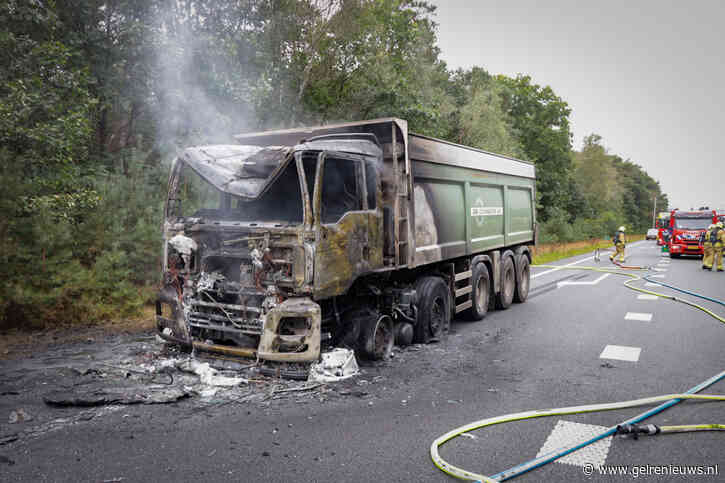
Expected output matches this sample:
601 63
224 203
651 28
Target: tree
479 119
596 178
540 120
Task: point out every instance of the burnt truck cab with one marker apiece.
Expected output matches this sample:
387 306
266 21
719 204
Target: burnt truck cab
254 237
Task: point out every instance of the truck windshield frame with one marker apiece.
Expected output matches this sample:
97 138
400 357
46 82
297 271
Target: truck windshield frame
282 203
692 223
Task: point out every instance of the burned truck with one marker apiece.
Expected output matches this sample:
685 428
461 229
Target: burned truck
359 235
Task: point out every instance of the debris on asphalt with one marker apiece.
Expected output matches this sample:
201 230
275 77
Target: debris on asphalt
336 365
102 397
208 375
94 381
8 439
296 389
19 416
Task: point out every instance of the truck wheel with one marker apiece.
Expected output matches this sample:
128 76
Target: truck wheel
480 289
674 255
508 285
523 278
404 334
376 337
434 309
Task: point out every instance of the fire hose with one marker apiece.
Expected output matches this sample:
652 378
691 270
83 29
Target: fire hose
630 426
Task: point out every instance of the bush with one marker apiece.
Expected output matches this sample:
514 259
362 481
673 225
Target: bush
557 229
95 265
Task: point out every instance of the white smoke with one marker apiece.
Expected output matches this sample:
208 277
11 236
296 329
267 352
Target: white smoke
200 97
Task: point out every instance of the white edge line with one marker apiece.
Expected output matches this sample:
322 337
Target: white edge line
592 282
572 263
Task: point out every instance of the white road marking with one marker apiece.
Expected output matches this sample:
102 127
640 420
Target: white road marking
621 353
660 269
566 433
593 282
572 263
559 268
638 316
657 276
646 296
651 284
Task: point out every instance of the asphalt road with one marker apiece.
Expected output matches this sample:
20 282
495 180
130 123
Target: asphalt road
541 354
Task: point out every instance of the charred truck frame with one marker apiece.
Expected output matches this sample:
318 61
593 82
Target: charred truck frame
360 235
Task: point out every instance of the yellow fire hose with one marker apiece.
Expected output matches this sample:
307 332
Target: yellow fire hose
629 426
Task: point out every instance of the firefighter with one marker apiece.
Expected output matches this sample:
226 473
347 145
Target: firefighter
717 246
706 242
619 242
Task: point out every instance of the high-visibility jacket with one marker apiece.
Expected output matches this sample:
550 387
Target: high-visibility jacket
705 238
720 238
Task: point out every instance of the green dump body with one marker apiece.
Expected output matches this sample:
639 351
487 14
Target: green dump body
468 201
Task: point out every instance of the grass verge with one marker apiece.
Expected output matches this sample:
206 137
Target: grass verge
551 252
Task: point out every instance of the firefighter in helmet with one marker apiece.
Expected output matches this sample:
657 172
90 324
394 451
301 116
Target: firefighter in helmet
707 247
619 242
718 245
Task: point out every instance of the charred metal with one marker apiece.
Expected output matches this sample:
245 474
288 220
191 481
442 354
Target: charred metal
281 246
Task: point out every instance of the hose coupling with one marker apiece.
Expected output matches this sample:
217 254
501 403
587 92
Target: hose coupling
636 429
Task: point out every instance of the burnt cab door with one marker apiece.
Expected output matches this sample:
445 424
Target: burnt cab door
347 234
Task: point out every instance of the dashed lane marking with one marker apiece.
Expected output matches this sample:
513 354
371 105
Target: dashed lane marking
593 282
651 284
660 269
563 266
566 432
646 296
638 316
621 353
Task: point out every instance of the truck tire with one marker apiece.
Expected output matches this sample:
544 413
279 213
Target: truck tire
480 290
523 279
376 337
434 309
508 284
674 255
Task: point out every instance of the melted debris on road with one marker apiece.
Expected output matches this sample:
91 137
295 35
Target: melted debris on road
73 383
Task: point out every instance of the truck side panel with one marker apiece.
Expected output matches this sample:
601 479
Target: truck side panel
521 223
486 208
461 211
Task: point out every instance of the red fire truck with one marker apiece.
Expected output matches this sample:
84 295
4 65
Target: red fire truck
685 228
663 222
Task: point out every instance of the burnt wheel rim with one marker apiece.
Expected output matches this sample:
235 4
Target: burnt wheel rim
437 316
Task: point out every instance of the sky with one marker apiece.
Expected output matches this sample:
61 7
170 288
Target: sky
648 76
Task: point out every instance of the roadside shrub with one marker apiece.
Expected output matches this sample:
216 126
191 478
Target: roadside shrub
97 265
556 229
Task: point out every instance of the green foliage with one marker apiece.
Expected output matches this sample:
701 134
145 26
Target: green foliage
541 123
479 119
613 189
